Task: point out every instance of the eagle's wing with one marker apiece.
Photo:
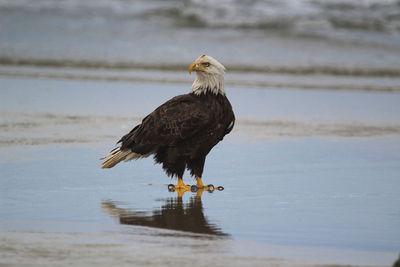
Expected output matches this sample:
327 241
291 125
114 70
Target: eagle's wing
176 120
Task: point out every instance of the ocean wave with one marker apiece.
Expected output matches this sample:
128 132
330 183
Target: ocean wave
285 15
241 68
241 83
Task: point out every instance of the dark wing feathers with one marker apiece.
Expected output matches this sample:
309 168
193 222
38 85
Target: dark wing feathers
178 119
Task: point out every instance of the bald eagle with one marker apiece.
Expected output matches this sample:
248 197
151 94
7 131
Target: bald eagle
182 131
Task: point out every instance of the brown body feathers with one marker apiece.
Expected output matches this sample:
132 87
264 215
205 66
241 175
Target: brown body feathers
180 133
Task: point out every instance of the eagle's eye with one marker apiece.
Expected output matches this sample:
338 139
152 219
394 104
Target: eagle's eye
206 64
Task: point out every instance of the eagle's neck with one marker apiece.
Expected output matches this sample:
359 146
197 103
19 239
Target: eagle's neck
208 83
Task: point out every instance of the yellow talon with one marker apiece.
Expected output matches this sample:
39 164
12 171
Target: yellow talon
181 187
200 184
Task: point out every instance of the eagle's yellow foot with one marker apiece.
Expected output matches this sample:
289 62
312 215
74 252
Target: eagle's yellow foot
181 185
200 184
180 188
210 187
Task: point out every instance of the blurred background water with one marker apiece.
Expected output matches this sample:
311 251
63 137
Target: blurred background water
333 36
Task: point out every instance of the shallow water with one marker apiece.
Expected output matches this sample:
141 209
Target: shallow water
309 176
301 193
297 194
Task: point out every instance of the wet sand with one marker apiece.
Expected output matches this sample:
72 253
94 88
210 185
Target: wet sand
152 247
310 177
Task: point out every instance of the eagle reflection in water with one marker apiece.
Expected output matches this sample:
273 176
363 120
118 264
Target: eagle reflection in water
173 215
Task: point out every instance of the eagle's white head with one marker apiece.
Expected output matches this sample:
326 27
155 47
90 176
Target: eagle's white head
210 75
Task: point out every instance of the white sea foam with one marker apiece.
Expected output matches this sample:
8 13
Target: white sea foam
296 37
375 15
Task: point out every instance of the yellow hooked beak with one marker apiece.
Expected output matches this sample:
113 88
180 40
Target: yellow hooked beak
196 67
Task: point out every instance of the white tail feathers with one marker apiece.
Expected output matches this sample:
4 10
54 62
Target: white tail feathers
117 155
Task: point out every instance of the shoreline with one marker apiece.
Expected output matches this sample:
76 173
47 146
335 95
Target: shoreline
375 83
104 244
32 129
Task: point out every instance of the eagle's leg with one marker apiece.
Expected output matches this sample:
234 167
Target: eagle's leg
200 184
181 187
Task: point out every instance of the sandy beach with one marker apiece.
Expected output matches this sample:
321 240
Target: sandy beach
314 183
